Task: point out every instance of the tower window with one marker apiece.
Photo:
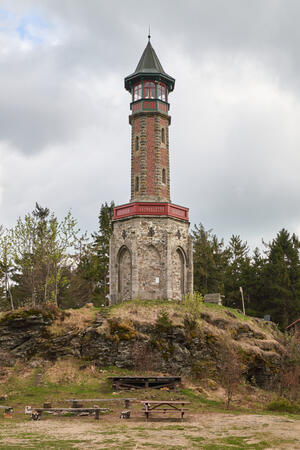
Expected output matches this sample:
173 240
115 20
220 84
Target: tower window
162 92
149 89
137 143
163 176
137 184
137 92
163 135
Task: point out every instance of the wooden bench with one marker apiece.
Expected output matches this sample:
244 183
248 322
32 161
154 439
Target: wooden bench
36 413
77 402
162 406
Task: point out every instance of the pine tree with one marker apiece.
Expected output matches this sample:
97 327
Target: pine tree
209 261
237 271
93 267
282 278
101 246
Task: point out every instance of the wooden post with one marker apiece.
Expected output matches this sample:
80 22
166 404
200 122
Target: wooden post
127 403
97 414
147 411
243 303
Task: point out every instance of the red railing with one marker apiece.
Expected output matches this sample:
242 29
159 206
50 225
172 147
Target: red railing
151 209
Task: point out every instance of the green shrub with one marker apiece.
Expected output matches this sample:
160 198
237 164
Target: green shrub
121 329
283 405
163 321
193 303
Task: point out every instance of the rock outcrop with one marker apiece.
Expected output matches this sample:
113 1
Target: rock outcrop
175 343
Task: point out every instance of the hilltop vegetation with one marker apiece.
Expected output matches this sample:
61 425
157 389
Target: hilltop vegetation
44 259
186 338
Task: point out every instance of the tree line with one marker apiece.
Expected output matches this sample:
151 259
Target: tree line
44 259
47 260
270 278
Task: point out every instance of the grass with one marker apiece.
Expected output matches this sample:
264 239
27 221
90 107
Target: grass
284 406
74 320
148 310
193 397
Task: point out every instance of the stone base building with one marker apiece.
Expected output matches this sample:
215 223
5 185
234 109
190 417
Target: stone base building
151 258
150 248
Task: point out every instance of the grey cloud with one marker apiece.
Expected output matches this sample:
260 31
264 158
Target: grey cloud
234 161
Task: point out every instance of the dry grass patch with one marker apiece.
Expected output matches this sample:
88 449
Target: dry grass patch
73 320
148 314
66 371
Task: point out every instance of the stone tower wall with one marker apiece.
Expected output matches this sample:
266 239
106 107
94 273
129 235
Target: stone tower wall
150 258
149 157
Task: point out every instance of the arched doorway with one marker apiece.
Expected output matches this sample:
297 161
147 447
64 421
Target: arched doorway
179 263
124 274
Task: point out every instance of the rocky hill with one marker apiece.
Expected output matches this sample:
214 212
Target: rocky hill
158 336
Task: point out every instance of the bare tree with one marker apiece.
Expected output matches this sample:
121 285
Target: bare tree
6 264
287 379
231 369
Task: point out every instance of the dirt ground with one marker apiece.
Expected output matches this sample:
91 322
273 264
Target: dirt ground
208 431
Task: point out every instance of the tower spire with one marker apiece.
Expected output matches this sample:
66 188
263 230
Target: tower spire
149 34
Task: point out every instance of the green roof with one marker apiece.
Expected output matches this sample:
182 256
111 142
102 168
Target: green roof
149 64
149 61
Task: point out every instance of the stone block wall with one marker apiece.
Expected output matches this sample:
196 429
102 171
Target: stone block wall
150 258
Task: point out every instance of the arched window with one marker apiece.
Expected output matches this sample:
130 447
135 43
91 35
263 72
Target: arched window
162 92
137 143
137 184
137 92
163 137
163 176
149 89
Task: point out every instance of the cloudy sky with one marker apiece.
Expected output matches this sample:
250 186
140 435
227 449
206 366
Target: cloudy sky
235 133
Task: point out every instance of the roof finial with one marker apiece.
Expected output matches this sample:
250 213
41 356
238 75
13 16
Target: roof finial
149 35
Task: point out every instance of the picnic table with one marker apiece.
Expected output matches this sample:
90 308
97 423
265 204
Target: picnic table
162 406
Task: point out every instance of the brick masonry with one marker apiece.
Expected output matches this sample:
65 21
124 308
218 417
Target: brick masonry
149 157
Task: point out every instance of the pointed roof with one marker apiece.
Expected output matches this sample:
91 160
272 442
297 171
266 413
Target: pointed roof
149 61
150 65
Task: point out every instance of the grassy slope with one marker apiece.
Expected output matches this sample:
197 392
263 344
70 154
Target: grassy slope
72 378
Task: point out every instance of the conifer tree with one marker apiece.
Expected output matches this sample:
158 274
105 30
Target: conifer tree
282 278
93 268
210 261
237 271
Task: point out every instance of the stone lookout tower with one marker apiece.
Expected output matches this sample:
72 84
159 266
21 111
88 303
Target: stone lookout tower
150 248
